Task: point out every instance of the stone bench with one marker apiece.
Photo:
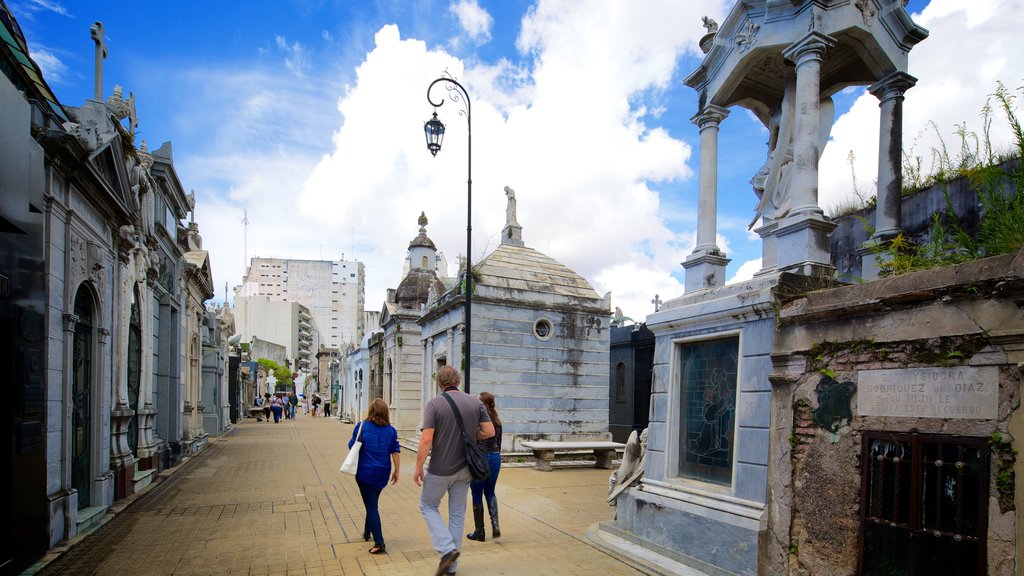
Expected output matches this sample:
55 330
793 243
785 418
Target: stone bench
256 412
544 451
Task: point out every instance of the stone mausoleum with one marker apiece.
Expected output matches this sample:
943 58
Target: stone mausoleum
540 342
802 426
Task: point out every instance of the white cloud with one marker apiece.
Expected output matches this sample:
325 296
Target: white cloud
55 70
562 132
745 271
958 66
473 19
32 6
295 58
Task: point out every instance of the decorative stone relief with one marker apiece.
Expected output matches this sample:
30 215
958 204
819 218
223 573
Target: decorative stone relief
87 132
747 36
771 65
867 11
78 256
94 261
833 410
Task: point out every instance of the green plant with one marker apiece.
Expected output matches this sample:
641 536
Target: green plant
1005 456
828 372
1002 227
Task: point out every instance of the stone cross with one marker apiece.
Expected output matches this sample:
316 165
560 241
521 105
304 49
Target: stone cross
657 302
96 30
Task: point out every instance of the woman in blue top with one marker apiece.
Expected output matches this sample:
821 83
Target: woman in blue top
377 458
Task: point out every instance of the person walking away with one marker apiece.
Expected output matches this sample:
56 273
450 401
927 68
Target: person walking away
266 406
327 407
276 406
448 473
481 489
316 404
293 403
378 458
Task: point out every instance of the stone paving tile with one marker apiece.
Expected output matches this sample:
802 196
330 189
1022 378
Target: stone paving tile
269 501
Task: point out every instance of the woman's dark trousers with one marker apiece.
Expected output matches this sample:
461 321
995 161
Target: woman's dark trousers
370 497
480 490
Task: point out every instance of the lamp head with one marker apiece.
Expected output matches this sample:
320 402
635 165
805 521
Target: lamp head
434 131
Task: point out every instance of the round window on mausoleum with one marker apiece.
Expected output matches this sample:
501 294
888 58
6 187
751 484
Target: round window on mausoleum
542 329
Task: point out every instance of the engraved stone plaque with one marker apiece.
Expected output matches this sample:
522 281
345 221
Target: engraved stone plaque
959 392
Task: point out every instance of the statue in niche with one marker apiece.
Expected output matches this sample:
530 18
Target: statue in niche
510 209
772 181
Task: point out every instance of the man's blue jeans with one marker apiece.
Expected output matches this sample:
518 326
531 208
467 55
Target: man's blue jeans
445 538
372 525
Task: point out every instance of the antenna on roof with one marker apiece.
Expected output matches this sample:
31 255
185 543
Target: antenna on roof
245 239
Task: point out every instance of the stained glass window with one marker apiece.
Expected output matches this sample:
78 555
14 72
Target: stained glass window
708 409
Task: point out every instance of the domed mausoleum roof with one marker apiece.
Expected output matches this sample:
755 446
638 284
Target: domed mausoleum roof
417 288
522 268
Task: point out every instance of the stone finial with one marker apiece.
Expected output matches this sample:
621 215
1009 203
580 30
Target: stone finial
708 40
710 25
422 221
116 103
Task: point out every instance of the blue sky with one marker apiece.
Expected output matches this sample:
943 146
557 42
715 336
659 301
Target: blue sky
307 116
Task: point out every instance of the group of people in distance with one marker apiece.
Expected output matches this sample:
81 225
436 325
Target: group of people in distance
448 472
287 406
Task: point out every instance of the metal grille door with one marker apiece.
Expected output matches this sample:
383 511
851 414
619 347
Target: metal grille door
924 505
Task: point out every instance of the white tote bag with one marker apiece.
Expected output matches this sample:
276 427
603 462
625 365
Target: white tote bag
351 463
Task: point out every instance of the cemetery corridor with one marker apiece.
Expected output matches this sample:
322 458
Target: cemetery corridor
268 498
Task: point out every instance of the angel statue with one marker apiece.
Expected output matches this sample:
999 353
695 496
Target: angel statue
631 468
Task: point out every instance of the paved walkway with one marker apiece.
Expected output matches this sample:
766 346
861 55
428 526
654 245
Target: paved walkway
268 499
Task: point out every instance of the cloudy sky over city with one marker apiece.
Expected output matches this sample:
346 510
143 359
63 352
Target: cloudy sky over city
306 116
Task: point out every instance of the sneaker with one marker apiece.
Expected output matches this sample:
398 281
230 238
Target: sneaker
446 562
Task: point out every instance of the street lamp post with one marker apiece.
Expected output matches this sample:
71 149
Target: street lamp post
434 131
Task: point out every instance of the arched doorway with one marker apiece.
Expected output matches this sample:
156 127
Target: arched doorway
81 394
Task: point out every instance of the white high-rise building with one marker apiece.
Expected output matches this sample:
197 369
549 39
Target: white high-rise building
332 290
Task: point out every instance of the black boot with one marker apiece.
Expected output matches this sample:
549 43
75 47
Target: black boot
478 521
492 508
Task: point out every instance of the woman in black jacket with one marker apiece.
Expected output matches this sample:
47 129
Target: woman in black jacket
485 488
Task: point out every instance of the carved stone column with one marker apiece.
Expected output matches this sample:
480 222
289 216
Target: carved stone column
888 219
807 54
802 234
705 267
148 445
70 323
